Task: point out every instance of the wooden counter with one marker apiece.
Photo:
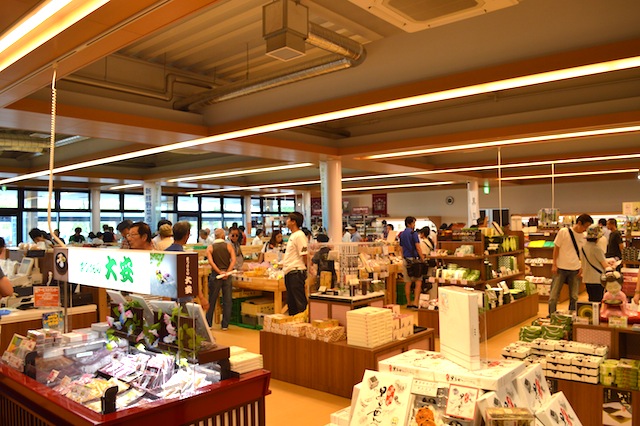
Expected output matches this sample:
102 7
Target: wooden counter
25 402
326 306
22 321
330 367
264 284
495 320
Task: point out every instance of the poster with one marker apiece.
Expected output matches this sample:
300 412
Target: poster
616 407
379 203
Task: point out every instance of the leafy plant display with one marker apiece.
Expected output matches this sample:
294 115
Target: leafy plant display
126 321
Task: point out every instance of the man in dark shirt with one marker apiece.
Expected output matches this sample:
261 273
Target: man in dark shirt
615 245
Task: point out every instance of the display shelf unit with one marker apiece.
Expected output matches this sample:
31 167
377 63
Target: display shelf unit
363 224
622 342
328 306
493 321
25 402
330 367
587 400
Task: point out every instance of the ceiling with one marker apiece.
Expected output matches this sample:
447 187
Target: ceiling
145 74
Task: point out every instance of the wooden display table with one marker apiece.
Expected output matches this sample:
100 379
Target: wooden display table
264 284
330 367
25 402
327 306
22 321
495 320
622 342
587 400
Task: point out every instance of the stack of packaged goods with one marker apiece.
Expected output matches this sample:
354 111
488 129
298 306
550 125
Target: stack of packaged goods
622 373
242 361
326 330
369 327
402 323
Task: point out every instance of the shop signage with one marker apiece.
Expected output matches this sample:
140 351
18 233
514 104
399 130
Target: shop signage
316 206
379 203
46 297
360 210
168 274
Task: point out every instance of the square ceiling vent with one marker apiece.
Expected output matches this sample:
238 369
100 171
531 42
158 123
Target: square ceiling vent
418 15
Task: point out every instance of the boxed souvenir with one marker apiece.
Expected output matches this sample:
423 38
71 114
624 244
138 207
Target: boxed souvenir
516 416
557 411
384 399
532 388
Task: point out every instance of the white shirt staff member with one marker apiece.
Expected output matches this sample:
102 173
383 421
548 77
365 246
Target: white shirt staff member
294 265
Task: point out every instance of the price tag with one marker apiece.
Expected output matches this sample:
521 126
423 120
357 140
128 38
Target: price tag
46 297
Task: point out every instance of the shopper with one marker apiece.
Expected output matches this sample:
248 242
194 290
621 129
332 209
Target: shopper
123 228
346 237
166 237
97 239
158 237
294 265
221 257
243 236
6 288
412 253
107 235
566 261
77 237
355 235
324 264
615 245
593 264
181 232
257 240
234 238
4 253
274 245
139 236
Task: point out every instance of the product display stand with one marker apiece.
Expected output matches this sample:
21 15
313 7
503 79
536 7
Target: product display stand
25 402
622 342
329 306
494 321
330 367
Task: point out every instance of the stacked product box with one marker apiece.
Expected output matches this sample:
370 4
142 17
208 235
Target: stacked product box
369 327
561 359
326 330
621 373
253 310
45 339
402 323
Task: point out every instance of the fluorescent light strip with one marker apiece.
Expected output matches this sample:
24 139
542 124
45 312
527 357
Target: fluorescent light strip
560 175
494 167
34 31
130 185
511 83
242 172
515 141
251 188
407 185
283 194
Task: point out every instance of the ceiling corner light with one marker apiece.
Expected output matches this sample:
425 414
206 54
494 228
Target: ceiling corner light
241 172
43 23
127 186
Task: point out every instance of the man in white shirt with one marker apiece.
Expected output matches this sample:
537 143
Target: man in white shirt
567 266
294 265
257 240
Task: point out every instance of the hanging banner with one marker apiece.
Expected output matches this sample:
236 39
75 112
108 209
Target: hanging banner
316 206
379 203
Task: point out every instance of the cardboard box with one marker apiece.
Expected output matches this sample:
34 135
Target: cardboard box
257 306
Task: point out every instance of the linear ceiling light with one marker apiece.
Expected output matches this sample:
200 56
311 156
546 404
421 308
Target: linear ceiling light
406 185
129 185
572 174
241 172
252 188
45 22
511 83
515 141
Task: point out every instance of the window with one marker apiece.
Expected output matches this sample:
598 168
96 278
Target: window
211 204
167 203
229 219
9 199
255 205
133 202
74 200
287 206
187 203
211 221
232 204
270 205
72 220
109 201
38 200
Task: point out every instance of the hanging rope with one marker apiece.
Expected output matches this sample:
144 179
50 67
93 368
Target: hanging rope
52 144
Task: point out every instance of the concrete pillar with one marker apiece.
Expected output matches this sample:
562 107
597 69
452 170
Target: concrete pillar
95 209
247 214
331 187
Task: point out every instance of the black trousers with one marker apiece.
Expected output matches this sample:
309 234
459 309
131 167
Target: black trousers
295 282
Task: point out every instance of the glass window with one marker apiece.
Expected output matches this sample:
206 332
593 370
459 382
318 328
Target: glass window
133 202
38 220
72 220
229 219
287 206
9 229
111 219
109 201
74 200
187 203
193 220
167 203
9 199
38 200
210 204
270 205
211 221
255 205
232 204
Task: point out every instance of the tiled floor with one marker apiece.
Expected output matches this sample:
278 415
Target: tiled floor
291 404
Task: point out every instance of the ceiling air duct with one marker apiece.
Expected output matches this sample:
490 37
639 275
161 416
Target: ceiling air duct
285 27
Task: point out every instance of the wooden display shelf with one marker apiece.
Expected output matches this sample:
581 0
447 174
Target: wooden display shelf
564 293
587 399
622 342
330 367
494 320
26 402
264 284
326 306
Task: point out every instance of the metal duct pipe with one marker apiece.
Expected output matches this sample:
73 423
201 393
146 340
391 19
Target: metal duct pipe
11 144
352 54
